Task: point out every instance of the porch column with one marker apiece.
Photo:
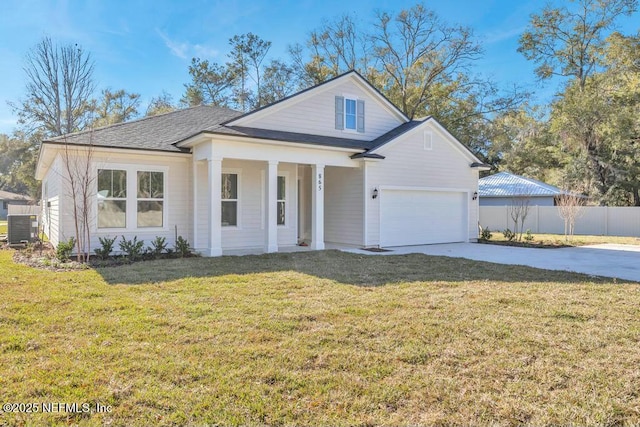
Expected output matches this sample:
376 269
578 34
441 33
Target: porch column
317 207
271 227
215 207
194 172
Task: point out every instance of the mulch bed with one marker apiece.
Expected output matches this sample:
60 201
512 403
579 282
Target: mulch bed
538 245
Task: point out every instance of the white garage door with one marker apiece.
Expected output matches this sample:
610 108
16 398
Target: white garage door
418 217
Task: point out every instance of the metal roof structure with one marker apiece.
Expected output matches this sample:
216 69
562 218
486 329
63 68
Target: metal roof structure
505 184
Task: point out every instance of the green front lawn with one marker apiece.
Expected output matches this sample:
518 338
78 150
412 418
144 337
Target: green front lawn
3 227
319 338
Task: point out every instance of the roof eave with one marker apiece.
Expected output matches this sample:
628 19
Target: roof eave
481 166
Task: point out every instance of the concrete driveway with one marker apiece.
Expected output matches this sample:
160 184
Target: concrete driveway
610 260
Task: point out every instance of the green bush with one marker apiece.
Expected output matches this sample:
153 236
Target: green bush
106 247
158 246
509 235
65 249
182 247
528 237
486 234
133 249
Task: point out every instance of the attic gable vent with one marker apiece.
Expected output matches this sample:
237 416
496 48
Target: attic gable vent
428 140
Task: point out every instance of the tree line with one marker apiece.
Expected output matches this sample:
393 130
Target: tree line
585 140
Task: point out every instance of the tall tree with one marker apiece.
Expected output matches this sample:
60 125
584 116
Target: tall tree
59 89
417 52
211 83
160 104
18 156
247 54
278 82
569 41
115 107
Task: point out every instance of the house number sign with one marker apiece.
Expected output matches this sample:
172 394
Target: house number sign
319 182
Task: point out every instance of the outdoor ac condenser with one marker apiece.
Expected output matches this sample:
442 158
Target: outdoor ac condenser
22 228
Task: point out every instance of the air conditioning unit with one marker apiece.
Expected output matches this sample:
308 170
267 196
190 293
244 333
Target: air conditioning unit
22 228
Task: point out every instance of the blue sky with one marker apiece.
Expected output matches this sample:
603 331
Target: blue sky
145 46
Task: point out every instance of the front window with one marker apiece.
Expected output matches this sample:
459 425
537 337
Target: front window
229 199
350 114
282 187
150 199
112 198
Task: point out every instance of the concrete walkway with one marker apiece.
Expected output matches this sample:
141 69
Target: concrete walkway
609 260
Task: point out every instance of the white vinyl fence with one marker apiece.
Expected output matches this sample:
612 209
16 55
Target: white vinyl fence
592 220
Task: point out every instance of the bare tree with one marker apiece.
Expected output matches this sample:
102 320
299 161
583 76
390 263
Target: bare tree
570 207
59 89
519 210
78 176
418 52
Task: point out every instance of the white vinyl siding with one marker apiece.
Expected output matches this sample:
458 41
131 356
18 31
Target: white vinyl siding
408 164
178 197
51 203
317 115
343 205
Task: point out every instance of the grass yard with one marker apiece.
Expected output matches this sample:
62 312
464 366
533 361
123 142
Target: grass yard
576 240
320 338
3 227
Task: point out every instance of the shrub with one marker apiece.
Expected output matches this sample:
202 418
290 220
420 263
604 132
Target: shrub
64 249
182 247
486 234
528 237
133 249
158 246
509 235
106 247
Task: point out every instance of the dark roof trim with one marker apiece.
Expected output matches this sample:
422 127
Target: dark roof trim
74 144
335 143
399 111
367 155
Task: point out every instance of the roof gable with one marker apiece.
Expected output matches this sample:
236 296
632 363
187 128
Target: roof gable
387 141
312 111
505 184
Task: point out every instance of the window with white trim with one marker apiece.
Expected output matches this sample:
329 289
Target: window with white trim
229 199
150 199
112 198
282 195
349 113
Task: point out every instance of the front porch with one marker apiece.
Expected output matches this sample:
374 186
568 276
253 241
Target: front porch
245 206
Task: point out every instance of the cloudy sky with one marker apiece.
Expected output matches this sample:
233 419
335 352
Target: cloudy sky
146 46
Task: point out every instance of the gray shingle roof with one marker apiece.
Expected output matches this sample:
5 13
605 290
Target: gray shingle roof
7 195
278 135
153 133
505 184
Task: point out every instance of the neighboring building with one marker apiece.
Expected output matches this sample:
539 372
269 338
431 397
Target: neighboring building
502 189
7 198
335 163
